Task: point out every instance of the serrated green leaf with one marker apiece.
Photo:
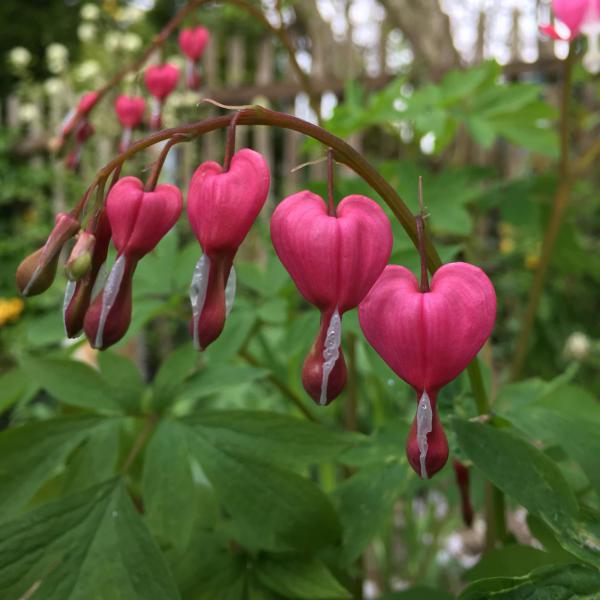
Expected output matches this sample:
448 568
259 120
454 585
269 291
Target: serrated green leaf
531 478
175 369
270 437
300 579
512 561
88 545
167 485
33 454
570 582
72 382
365 503
274 508
96 460
123 378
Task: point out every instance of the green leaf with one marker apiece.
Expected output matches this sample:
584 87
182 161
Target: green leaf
72 382
238 326
217 378
123 378
177 367
418 593
533 480
167 485
88 545
365 503
271 437
569 417
33 454
570 582
96 460
14 385
300 579
274 508
512 560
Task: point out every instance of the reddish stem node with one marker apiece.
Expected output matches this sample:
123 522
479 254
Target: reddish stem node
230 147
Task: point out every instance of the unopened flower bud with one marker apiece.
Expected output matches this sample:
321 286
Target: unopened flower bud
80 259
36 273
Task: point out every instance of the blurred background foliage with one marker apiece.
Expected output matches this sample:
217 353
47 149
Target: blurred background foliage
246 489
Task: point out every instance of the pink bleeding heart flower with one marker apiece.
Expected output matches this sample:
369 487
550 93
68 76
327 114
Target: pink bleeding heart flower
428 338
83 131
78 294
334 260
582 17
222 206
160 80
192 42
36 273
138 219
84 106
130 112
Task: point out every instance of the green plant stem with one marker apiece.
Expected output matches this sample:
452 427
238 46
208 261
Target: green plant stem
495 517
281 386
140 441
561 201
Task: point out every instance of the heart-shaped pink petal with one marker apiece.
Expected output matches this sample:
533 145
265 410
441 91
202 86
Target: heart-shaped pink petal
193 41
130 110
222 206
429 338
334 261
139 219
161 80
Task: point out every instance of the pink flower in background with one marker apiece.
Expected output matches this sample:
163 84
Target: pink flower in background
582 17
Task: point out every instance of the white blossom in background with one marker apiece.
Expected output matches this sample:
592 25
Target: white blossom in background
19 57
131 42
129 15
57 58
177 60
53 86
577 346
87 71
90 12
28 112
86 32
112 41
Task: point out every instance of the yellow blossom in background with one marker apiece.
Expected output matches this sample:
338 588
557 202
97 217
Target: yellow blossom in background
532 260
507 245
10 310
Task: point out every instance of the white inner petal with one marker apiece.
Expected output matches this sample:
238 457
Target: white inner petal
100 280
109 295
126 137
155 108
424 427
198 293
230 291
591 60
331 352
69 291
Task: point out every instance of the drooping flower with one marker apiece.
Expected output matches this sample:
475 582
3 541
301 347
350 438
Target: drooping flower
130 112
160 80
427 339
84 106
83 131
582 17
193 42
36 273
222 206
78 294
334 259
138 219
